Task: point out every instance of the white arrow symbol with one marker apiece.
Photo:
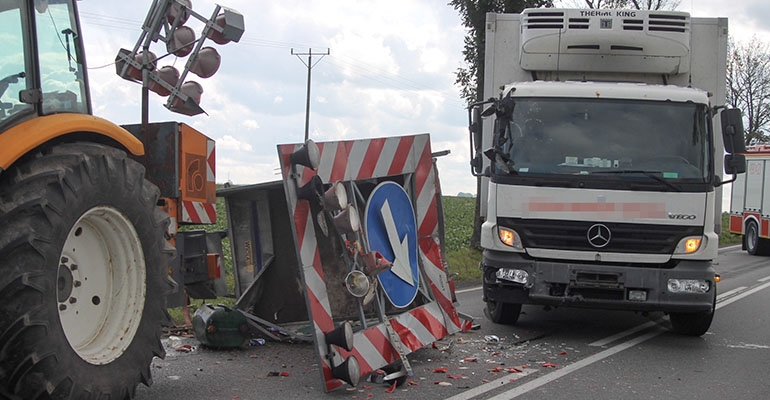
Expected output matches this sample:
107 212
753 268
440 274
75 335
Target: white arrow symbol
401 266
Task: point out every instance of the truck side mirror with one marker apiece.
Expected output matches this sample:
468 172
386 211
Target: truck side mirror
732 131
475 128
735 164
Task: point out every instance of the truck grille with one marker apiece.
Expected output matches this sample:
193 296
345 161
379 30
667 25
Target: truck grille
625 238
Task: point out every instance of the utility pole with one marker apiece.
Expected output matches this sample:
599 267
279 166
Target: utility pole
309 66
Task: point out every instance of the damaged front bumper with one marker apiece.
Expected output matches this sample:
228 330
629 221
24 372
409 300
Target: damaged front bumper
513 278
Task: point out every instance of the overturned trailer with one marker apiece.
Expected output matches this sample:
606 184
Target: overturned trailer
345 252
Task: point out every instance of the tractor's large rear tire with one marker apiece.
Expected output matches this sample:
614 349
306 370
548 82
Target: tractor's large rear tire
83 274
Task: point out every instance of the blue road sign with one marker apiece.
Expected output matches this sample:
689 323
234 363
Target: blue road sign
391 229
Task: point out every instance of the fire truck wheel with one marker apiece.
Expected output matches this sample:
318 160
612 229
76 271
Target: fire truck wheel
755 245
502 313
693 324
83 274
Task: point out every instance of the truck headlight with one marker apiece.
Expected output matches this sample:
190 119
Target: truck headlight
513 275
509 237
688 286
689 245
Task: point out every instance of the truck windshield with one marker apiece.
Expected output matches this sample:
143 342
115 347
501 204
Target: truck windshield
664 142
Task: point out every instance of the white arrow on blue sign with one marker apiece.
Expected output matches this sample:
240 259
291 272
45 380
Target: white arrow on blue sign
391 229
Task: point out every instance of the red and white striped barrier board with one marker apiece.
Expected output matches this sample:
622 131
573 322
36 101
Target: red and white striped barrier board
408 161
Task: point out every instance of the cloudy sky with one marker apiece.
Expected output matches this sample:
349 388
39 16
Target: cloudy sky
390 72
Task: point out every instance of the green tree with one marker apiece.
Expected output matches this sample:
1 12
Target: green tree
748 86
474 14
635 4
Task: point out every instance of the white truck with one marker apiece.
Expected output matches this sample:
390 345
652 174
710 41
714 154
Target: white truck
601 169
750 202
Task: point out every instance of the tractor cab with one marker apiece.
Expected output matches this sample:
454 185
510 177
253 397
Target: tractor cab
42 64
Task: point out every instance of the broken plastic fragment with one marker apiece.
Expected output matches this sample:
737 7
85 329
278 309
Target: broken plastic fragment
492 338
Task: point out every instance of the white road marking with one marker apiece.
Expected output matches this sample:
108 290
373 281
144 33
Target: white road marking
621 335
731 292
767 278
478 390
742 295
467 290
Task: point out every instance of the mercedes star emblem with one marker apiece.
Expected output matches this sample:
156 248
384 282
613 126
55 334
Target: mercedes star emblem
598 235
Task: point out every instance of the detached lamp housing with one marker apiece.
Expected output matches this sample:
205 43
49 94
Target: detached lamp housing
357 283
341 336
129 65
178 10
188 102
312 191
181 41
336 197
349 371
170 76
375 263
308 155
347 221
206 62
229 27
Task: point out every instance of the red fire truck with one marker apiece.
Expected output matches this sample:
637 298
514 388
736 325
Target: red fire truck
750 201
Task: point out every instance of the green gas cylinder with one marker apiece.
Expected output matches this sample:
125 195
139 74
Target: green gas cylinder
220 326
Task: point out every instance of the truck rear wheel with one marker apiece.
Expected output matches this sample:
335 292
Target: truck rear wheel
755 245
83 274
502 313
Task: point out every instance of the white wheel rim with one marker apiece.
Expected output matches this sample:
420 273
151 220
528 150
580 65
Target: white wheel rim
101 285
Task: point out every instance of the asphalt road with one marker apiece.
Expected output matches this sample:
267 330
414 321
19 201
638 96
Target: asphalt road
558 354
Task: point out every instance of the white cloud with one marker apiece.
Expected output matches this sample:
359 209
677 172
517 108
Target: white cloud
250 124
229 143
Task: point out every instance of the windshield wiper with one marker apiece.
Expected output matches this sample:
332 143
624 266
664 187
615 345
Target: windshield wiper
654 175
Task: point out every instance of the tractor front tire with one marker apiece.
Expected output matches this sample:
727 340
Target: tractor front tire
83 274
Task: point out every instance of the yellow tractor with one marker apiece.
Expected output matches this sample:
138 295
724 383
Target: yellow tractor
84 246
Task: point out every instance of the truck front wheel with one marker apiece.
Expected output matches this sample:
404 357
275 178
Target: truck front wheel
693 324
502 313
755 245
83 274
